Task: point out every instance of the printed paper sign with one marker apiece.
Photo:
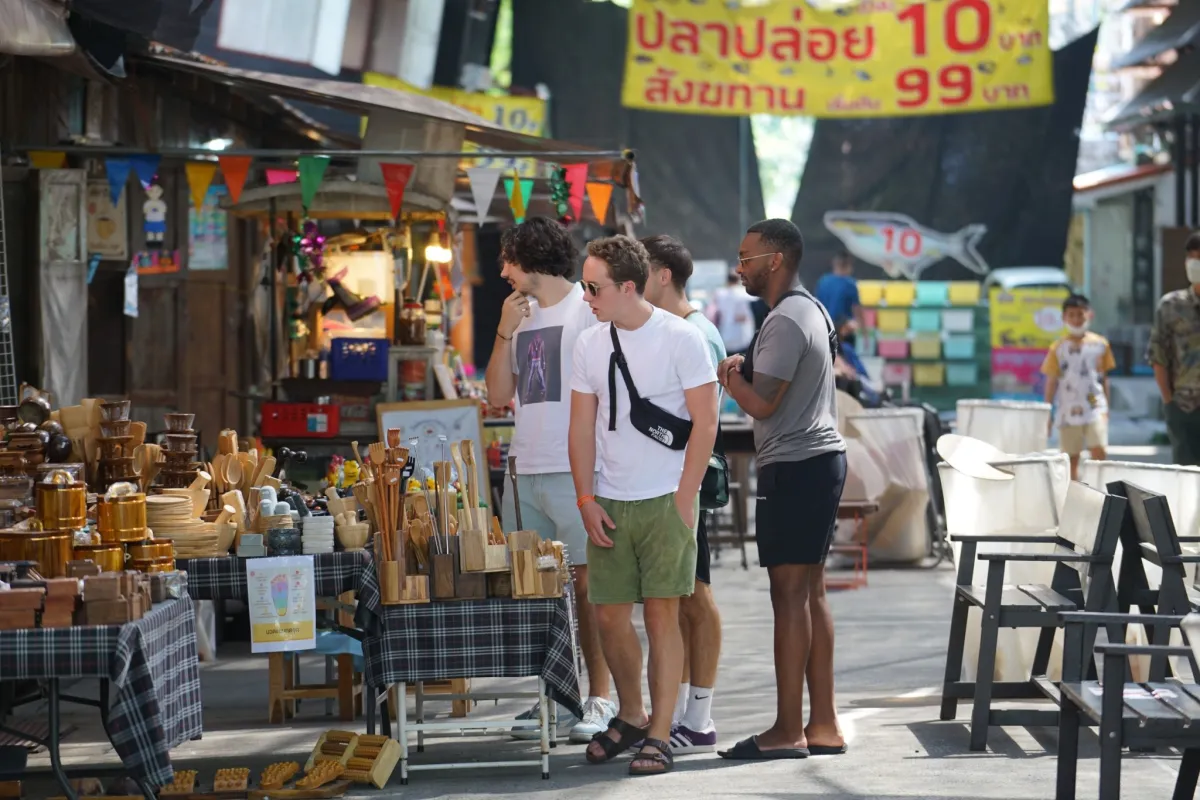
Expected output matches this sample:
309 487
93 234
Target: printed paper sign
901 246
283 605
1026 318
873 58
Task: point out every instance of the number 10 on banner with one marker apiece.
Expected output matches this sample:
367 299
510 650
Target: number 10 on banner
966 29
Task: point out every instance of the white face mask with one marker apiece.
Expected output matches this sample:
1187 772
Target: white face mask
1078 330
1193 270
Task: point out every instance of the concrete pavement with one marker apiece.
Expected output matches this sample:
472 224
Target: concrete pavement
891 650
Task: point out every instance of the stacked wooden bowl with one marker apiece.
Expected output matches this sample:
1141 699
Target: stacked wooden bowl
171 516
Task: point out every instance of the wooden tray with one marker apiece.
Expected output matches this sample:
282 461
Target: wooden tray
335 789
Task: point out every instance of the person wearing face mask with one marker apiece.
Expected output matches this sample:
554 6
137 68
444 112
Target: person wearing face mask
1174 352
1076 370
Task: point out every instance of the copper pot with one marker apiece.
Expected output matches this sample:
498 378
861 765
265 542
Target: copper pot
122 518
153 565
150 549
62 506
50 549
108 557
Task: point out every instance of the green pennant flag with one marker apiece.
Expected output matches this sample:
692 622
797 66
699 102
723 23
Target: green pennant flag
312 170
518 200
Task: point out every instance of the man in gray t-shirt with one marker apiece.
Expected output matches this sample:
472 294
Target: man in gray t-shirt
785 383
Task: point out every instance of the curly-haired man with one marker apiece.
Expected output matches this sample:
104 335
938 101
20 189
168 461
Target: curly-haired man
531 363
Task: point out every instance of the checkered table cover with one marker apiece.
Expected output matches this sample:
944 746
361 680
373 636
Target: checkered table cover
224 577
496 638
153 670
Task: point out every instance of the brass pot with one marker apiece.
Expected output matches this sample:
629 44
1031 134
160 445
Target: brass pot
122 518
62 506
153 565
108 557
150 549
50 549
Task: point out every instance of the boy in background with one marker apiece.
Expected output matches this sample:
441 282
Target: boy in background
1076 370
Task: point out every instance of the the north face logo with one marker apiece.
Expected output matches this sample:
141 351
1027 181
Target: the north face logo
662 435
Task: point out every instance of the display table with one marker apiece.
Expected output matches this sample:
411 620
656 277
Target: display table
224 577
497 638
148 667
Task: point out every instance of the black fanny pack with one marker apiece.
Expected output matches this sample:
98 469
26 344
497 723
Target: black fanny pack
748 361
647 418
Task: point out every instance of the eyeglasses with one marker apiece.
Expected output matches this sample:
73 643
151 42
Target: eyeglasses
742 261
593 288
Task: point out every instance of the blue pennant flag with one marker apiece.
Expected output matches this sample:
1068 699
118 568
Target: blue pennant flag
117 170
145 166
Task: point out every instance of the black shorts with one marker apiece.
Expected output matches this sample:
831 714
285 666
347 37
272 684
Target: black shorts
703 556
797 507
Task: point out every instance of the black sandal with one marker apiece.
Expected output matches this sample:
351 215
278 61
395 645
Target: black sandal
629 734
663 757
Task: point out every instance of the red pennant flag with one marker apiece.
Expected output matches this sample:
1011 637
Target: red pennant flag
395 179
235 169
276 176
576 181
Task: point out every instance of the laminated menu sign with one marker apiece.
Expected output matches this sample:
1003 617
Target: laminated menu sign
283 604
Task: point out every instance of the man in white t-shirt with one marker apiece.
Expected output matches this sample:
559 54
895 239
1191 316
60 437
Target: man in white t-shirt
531 367
693 730
730 310
640 512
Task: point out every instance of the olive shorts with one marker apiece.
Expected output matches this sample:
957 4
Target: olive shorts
653 553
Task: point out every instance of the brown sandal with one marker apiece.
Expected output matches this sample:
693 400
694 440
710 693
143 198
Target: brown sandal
663 757
612 748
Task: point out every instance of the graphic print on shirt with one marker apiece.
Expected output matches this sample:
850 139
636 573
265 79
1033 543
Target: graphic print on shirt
539 365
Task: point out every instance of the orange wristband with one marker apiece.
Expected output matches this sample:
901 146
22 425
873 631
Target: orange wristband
587 498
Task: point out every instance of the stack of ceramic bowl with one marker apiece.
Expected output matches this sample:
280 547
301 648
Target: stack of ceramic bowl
179 448
116 445
316 533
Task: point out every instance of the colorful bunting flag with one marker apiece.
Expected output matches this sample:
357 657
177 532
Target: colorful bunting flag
47 159
117 170
312 170
600 194
276 176
395 180
235 169
483 188
576 180
145 167
199 177
517 192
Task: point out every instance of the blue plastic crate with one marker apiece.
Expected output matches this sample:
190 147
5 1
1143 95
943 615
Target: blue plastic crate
959 346
358 360
924 320
933 293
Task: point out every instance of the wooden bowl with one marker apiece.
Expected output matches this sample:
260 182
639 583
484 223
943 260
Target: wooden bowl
353 536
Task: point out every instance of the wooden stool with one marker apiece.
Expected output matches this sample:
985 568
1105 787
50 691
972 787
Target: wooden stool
284 687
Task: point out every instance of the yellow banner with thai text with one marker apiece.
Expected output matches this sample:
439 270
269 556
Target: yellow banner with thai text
875 58
526 115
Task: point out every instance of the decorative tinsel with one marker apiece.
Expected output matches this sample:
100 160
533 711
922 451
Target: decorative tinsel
309 247
560 193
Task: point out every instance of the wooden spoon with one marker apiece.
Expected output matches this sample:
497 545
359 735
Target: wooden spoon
234 472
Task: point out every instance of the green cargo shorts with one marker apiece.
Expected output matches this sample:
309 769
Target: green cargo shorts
653 553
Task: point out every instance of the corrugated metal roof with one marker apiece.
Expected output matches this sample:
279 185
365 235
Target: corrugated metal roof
1163 97
1176 31
362 98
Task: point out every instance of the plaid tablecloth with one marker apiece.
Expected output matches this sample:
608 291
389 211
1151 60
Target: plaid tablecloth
224 578
497 638
153 672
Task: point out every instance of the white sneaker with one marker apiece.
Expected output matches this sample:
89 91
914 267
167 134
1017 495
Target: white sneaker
597 713
566 721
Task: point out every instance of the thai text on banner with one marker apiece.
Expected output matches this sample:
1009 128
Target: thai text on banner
878 58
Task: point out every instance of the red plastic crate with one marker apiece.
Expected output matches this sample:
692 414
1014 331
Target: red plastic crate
299 421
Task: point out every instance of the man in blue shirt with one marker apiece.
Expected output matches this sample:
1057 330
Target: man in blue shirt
838 291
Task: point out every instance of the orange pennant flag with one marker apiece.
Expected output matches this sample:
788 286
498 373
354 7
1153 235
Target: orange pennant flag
199 178
599 194
235 169
47 159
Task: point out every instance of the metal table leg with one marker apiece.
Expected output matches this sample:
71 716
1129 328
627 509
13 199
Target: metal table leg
402 725
544 720
52 738
420 693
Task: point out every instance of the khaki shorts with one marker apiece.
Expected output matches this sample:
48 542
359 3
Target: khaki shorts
1074 439
653 553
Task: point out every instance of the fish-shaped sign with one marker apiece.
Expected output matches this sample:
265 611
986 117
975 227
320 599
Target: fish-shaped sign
902 247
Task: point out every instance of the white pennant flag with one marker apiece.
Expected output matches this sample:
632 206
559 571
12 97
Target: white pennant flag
483 188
